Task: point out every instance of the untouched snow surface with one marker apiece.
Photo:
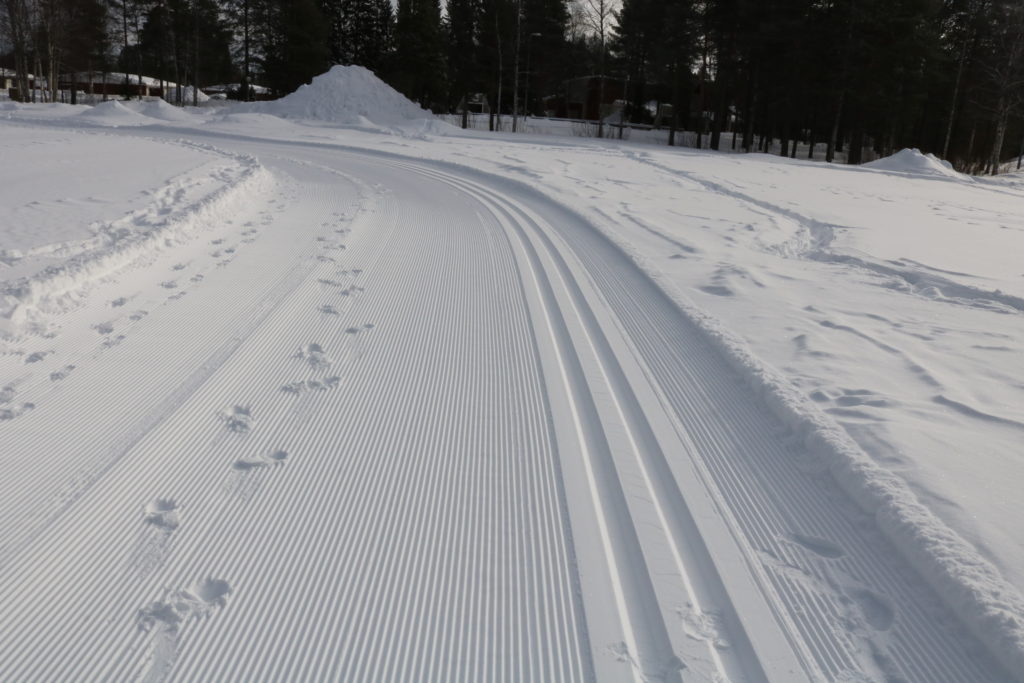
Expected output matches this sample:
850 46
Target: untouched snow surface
310 402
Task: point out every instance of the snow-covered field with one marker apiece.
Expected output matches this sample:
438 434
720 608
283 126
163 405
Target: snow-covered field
324 389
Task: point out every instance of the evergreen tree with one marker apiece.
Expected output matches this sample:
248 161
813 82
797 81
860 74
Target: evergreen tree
294 44
462 27
418 68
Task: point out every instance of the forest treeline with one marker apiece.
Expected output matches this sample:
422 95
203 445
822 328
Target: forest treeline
838 76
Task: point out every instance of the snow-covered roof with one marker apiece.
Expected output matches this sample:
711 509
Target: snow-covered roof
232 87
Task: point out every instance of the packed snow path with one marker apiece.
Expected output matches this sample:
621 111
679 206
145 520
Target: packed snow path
399 422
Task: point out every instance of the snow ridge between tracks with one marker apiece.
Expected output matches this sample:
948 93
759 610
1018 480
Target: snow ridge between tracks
179 209
989 606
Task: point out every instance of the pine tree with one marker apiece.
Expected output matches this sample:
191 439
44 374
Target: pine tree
418 69
295 47
462 27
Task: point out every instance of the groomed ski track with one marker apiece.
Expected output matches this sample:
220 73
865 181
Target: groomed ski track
410 423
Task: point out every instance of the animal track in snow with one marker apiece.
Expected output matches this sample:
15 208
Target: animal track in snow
138 315
169 284
311 385
104 328
58 375
163 514
37 356
164 618
327 309
271 459
703 626
351 290
118 302
237 419
15 411
314 355
113 341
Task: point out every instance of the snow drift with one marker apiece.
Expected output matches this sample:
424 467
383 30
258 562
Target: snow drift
914 162
351 96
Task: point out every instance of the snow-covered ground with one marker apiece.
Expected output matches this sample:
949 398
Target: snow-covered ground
323 388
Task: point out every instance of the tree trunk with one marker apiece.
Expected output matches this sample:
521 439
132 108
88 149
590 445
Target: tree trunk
833 140
1002 119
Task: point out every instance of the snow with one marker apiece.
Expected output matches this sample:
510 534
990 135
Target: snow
352 96
914 162
607 408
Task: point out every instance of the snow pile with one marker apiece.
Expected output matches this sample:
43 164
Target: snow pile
353 96
159 109
914 162
114 113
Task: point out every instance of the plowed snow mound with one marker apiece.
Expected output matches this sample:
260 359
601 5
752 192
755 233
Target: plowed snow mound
159 109
113 113
912 161
350 95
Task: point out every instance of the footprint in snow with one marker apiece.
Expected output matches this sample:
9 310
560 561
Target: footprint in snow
163 514
37 356
138 315
161 517
58 375
169 284
15 411
327 309
315 356
104 328
271 459
118 302
297 388
244 482
237 419
164 618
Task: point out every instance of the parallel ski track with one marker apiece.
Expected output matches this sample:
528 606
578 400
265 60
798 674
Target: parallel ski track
435 539
756 470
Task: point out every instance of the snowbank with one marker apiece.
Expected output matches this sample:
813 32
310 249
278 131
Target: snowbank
113 113
351 96
120 243
914 162
161 110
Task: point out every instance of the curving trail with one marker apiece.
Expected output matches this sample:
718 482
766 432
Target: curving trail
421 425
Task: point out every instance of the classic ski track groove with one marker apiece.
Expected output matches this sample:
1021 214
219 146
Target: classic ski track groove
446 545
